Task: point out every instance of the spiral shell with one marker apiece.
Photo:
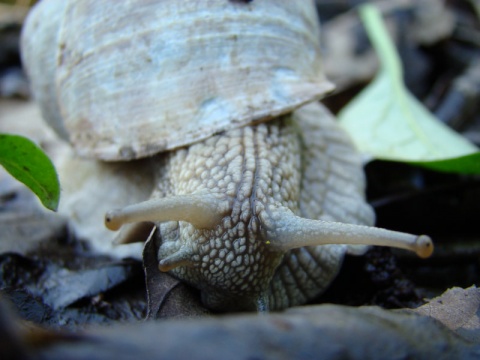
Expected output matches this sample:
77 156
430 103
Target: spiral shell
134 78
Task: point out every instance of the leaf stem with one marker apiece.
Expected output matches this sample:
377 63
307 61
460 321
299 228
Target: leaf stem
378 34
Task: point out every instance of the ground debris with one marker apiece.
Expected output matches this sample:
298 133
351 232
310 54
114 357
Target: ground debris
334 331
458 309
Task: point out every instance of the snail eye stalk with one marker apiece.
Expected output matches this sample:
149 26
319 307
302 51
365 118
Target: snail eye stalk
293 231
202 211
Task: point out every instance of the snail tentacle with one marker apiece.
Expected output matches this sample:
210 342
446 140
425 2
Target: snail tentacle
180 258
202 211
288 231
131 233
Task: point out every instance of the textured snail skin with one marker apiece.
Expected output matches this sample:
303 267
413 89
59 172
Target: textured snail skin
302 162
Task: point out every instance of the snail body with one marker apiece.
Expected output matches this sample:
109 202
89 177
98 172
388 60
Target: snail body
257 196
255 170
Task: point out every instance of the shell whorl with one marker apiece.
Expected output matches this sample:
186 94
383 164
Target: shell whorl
132 79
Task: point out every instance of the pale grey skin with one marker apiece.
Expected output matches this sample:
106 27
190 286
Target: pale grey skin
250 216
303 162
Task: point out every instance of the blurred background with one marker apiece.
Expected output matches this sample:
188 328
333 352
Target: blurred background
439 43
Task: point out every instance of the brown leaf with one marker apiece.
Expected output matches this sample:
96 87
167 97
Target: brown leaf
167 297
458 309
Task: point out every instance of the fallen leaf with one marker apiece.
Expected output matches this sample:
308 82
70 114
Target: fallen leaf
167 297
468 164
458 309
387 122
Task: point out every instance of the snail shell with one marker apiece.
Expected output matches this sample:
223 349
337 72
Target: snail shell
256 203
132 79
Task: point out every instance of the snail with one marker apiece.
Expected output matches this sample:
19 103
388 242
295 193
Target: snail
258 194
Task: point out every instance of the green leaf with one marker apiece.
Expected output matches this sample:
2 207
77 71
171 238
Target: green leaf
27 163
387 122
468 164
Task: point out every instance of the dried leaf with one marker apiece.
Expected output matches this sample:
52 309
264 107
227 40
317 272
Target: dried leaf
458 309
167 297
